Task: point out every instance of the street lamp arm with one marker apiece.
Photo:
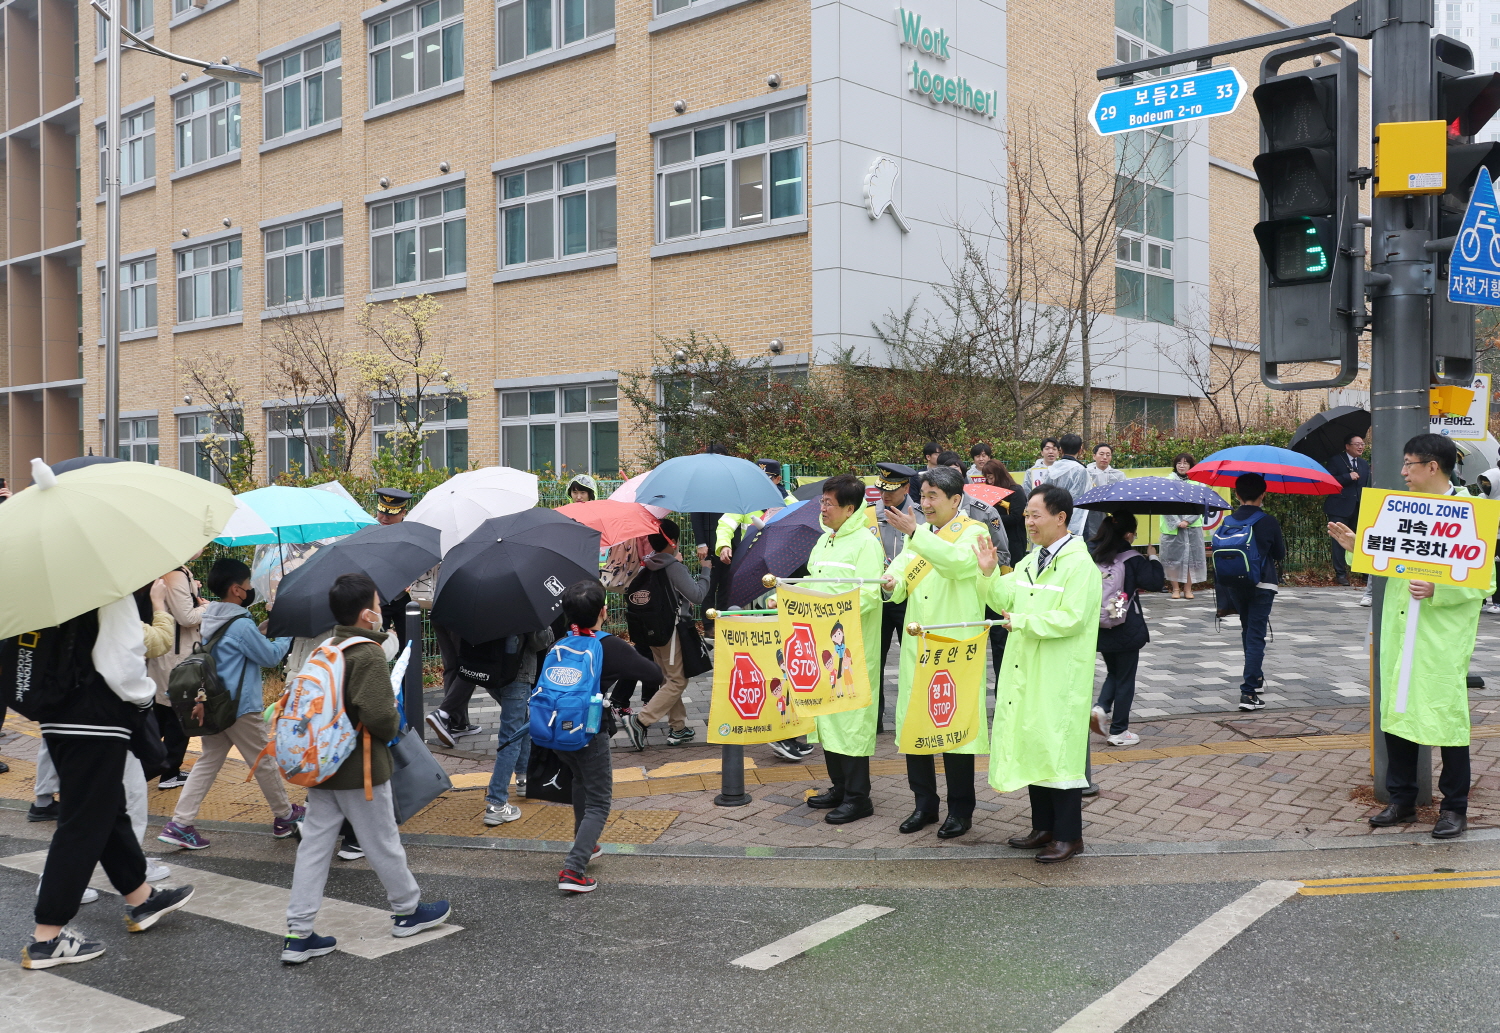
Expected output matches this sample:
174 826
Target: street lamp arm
227 72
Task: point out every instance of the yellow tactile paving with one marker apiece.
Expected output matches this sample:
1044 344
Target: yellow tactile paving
709 765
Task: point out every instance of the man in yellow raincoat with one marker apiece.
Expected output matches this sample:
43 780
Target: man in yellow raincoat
1424 694
851 549
1051 604
937 573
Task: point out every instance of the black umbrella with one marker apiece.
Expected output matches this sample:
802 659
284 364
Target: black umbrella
781 547
1323 435
393 555
508 576
1161 495
811 490
81 461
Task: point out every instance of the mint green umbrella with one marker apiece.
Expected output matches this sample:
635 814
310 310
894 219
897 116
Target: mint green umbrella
299 515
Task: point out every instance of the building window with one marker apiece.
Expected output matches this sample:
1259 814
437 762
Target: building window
299 440
138 18
138 441
530 27
304 89
137 294
208 281
137 149
208 123
1146 411
305 261
572 429
207 445
418 239
558 210
1144 283
183 6
445 429
732 175
1145 29
416 49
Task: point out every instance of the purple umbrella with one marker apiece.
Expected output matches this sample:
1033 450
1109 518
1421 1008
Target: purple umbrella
780 548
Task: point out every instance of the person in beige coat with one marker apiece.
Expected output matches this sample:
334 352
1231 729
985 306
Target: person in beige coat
185 605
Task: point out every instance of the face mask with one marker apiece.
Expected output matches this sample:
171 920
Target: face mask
249 599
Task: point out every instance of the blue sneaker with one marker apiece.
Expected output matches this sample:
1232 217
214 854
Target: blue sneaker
296 949
424 917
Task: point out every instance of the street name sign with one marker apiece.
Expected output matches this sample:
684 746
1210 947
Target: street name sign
1182 98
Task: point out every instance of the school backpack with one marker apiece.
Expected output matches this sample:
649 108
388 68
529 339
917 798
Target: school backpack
567 706
1236 553
42 671
311 733
651 608
196 680
491 664
1115 603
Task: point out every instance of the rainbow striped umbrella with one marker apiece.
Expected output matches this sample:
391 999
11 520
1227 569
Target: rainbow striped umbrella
1285 471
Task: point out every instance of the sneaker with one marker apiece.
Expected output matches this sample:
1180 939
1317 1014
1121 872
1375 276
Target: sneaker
1096 721
636 732
89 893
787 749
438 722
1125 738
47 813
161 902
297 949
291 824
351 850
1251 701
172 781
575 882
1491 607
156 872
621 713
807 749
1364 600
67 948
424 917
186 836
459 731
500 815
521 786
680 736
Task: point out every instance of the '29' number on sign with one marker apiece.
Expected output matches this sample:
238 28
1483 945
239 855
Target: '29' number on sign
1108 113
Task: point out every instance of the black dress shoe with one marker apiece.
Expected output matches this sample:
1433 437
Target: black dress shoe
4 768
1059 850
1035 841
918 821
1342 579
1449 825
954 827
849 810
826 799
1393 815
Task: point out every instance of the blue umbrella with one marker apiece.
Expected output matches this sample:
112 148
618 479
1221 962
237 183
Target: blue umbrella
709 483
780 547
1285 471
1151 495
299 515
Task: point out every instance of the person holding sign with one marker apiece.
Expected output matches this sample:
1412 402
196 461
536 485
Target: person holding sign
1051 604
849 549
1427 634
936 574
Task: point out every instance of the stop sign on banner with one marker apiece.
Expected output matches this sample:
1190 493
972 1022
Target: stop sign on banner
801 659
747 687
942 698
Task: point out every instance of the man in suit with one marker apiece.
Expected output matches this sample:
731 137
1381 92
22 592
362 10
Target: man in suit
1353 473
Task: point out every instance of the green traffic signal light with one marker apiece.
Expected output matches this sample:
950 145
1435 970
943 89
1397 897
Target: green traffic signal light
1298 250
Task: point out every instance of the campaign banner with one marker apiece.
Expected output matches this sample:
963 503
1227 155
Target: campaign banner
750 701
1445 539
944 709
824 650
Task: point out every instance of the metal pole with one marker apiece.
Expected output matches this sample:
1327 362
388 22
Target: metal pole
110 310
1401 91
412 689
732 778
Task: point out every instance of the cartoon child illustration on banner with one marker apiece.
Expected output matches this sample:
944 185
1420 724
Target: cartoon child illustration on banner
824 649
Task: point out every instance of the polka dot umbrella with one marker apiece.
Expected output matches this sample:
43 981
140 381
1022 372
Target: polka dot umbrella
1162 495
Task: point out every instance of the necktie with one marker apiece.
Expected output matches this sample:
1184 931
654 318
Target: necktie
1046 559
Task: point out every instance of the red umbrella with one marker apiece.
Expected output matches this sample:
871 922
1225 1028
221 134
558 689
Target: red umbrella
1285 471
989 494
615 521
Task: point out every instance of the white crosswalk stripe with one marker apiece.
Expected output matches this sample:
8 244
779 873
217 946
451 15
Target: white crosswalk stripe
40 1002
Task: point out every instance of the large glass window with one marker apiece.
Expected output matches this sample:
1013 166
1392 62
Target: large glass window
207 122
445 429
305 261
299 440
137 294
209 281
732 175
206 445
1144 278
304 89
558 210
1146 411
138 441
137 149
571 429
416 49
418 239
527 27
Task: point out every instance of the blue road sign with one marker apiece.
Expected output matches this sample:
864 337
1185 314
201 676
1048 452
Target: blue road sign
1182 98
1474 266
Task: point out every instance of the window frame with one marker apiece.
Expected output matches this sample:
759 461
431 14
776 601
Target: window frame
274 249
141 433
281 432
557 12
513 428
378 48
1145 273
527 201
137 148
233 436
432 426
232 266
233 126
138 291
418 223
1146 402
332 100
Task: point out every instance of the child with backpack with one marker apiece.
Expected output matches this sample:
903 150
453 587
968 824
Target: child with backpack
1122 623
660 597
568 716
350 676
1248 550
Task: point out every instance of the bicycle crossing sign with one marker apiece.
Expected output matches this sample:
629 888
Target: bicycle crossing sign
1474 267
1183 98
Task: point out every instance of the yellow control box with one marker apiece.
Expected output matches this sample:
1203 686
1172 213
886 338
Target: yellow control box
1411 158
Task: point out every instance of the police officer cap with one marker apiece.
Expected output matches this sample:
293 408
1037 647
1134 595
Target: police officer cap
894 476
391 500
770 466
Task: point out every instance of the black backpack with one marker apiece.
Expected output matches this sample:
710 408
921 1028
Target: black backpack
491 664
43 672
651 608
196 680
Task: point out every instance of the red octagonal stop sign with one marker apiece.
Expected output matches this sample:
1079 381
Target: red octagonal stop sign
801 659
747 687
942 699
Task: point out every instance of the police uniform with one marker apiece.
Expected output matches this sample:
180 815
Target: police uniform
892 477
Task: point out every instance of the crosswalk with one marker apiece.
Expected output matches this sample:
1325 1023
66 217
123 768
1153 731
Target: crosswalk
40 1002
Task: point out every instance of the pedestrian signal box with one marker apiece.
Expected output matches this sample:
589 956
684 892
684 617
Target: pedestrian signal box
1410 158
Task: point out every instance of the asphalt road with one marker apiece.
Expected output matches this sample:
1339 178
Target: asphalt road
968 946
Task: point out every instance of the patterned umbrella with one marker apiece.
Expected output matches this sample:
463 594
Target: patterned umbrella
780 548
1151 495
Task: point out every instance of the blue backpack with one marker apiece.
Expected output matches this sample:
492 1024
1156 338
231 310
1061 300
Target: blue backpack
567 705
1236 553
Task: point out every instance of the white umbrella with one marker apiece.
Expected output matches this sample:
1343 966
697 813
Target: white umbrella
244 521
626 493
463 502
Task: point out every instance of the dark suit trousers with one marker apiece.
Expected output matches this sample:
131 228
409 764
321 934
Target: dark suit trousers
1058 811
1401 774
851 775
892 623
921 775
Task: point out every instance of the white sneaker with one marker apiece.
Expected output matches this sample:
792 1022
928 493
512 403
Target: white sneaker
89 893
500 815
1364 600
1125 738
156 872
1491 607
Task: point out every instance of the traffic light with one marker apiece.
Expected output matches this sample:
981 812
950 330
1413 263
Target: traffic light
1311 286
1465 101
